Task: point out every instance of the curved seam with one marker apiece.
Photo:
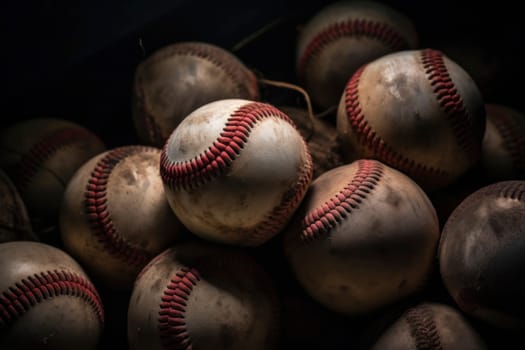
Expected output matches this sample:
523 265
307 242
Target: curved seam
31 161
353 27
96 208
423 329
172 309
320 221
369 137
451 102
26 293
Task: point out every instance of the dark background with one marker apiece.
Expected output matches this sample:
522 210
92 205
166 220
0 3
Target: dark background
75 60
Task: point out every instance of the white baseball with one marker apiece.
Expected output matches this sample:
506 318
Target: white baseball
235 171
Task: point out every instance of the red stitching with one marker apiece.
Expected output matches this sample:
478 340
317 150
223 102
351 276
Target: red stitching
98 213
320 221
369 138
513 136
217 158
511 189
32 161
19 298
215 55
423 328
171 321
450 101
353 27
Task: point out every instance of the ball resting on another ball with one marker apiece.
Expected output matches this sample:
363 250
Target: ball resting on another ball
416 111
179 78
342 37
201 296
235 171
115 216
364 237
481 254
46 300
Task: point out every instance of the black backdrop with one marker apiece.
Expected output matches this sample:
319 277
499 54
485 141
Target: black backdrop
76 59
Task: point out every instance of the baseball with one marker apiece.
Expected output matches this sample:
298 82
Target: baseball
235 171
179 78
365 236
114 217
416 111
40 156
503 148
342 37
197 296
46 300
481 256
14 222
430 326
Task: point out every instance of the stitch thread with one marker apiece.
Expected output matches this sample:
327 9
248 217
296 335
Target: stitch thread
423 328
217 158
96 207
319 222
351 28
383 151
451 102
171 321
216 56
19 298
32 161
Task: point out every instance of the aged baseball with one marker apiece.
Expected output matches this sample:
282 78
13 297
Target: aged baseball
365 236
40 156
14 222
503 151
201 296
235 171
416 111
115 217
46 300
430 326
343 36
481 256
179 78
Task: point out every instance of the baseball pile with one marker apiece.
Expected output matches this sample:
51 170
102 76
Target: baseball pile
235 222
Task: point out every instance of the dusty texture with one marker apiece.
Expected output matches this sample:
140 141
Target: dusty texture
364 237
197 294
62 309
481 256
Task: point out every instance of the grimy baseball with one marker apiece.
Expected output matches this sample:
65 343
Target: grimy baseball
115 218
342 37
235 171
179 78
46 300
40 156
417 111
432 326
481 256
364 237
503 149
200 295
14 222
